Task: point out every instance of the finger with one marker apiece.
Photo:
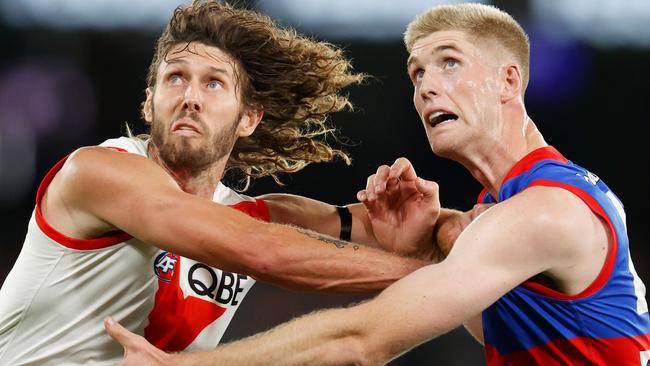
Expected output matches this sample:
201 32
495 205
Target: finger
120 334
392 184
362 196
428 188
403 169
370 188
381 178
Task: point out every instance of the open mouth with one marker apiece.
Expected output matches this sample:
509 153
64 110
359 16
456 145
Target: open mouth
185 126
440 117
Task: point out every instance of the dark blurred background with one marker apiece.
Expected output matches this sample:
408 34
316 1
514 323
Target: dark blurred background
73 72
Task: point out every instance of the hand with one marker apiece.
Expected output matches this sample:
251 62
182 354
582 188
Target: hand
137 350
402 209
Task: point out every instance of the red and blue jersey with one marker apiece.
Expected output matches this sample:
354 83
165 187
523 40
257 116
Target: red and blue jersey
606 324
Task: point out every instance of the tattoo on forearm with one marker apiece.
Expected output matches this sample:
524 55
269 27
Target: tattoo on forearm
326 239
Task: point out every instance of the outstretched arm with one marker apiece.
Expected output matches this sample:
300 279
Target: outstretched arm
507 245
101 190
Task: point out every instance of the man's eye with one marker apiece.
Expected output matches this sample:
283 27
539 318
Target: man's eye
175 79
451 63
214 84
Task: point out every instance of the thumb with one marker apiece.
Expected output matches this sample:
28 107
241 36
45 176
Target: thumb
120 334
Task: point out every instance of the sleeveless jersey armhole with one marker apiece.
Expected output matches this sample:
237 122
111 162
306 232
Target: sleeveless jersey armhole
606 271
62 239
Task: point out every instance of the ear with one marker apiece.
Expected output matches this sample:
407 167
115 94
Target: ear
512 82
249 121
147 106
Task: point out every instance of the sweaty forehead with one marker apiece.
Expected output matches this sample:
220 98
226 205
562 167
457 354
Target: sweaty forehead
459 38
441 41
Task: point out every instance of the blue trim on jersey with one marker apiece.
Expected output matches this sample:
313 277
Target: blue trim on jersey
523 318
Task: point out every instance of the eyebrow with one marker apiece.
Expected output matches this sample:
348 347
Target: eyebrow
441 48
185 62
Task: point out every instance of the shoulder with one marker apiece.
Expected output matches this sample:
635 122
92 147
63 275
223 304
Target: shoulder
546 204
79 188
94 175
101 163
550 207
546 212
544 223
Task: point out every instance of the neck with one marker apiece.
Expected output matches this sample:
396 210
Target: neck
492 160
202 182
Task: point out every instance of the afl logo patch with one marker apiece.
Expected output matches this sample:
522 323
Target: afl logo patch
164 266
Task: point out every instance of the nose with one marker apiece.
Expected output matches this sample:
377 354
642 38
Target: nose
429 86
192 100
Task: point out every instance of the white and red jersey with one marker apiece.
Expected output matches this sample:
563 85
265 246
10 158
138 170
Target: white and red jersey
56 296
194 302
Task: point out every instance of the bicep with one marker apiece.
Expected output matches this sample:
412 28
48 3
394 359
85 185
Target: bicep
112 186
135 195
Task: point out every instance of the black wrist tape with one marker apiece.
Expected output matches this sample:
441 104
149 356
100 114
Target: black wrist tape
346 222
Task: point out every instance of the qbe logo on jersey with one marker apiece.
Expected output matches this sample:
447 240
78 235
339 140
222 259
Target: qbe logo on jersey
212 284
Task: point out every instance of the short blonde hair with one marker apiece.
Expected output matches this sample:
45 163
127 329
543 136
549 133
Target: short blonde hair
477 20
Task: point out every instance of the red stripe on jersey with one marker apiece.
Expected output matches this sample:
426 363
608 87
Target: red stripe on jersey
64 240
116 148
608 267
256 209
575 351
481 196
176 320
527 162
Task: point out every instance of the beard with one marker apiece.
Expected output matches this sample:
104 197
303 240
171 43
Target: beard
192 154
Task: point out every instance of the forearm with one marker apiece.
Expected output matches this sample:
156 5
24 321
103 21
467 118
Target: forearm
279 254
302 260
359 335
330 337
319 216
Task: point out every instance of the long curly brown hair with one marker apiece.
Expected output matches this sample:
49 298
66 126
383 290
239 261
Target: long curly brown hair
296 80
